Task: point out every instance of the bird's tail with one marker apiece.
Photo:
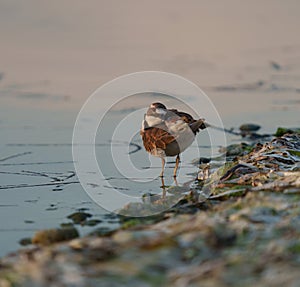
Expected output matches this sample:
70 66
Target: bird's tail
198 125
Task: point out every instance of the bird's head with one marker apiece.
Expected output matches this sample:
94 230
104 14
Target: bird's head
155 114
158 106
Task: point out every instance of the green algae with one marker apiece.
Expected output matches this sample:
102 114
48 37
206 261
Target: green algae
282 131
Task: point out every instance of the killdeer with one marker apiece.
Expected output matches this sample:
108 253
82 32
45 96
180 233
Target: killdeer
168 132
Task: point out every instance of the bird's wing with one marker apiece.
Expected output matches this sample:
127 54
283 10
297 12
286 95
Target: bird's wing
195 125
184 116
198 125
156 138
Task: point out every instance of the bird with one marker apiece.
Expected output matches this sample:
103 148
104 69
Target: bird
168 132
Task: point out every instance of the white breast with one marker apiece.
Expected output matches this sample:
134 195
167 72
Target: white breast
153 121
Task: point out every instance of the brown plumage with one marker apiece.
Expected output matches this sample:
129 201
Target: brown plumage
168 132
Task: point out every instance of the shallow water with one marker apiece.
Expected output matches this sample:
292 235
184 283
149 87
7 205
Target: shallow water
39 188
62 60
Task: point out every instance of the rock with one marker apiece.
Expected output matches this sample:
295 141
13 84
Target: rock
79 217
236 149
91 222
246 234
249 127
50 236
25 241
282 131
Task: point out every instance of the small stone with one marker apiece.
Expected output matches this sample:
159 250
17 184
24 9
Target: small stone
25 241
28 221
79 217
282 131
50 236
249 127
92 222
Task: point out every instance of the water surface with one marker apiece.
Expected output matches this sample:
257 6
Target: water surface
245 56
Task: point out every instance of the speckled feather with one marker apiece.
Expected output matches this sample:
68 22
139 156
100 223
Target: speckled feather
158 138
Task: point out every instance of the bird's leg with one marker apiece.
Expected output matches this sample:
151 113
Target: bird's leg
175 181
163 188
176 165
163 162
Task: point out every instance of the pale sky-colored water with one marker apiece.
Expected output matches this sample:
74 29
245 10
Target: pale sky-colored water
64 50
54 54
72 47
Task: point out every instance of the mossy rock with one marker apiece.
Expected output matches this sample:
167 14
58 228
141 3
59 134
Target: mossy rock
50 236
237 149
282 131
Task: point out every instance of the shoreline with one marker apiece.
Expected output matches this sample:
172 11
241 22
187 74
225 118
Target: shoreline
246 232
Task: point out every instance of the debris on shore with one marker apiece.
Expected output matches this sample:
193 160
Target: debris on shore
237 226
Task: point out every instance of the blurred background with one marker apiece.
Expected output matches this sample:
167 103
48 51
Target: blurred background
55 54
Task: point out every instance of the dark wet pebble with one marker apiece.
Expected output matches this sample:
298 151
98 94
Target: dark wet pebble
25 241
52 207
110 216
249 127
91 222
57 189
28 221
83 208
204 160
79 217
